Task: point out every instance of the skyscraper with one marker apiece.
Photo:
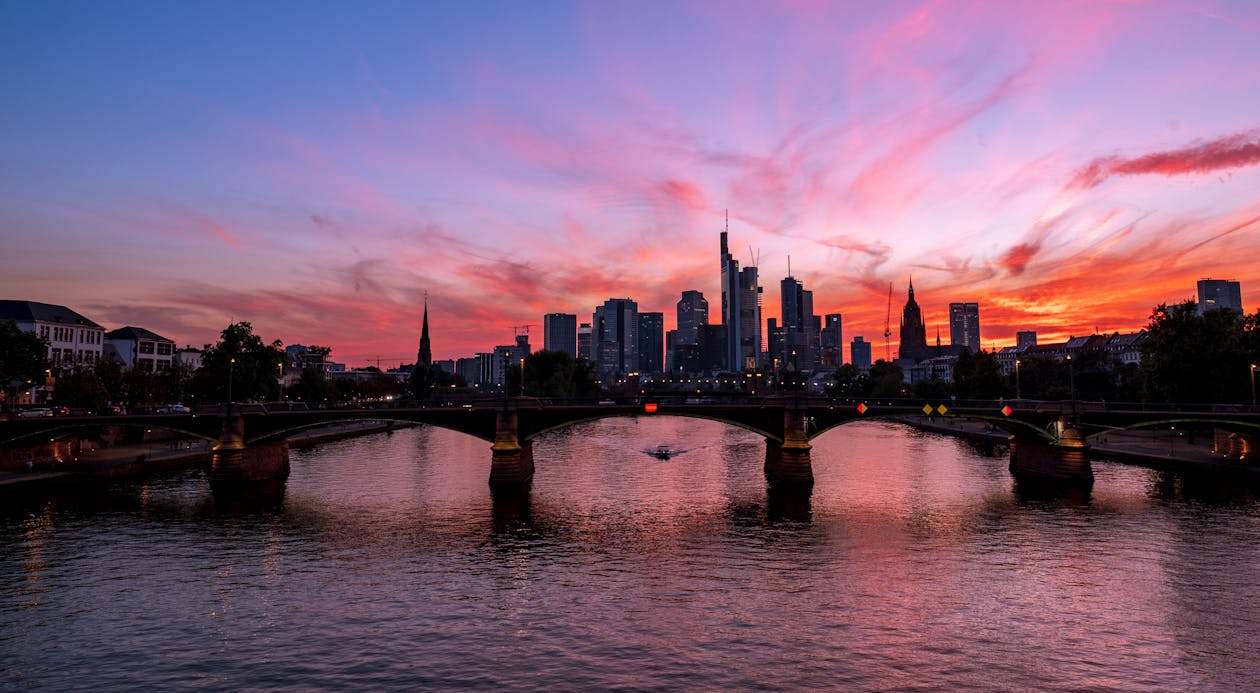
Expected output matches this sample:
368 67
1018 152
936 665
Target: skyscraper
424 356
1219 293
615 339
693 311
741 311
560 333
584 341
964 325
831 341
651 342
860 354
800 338
913 342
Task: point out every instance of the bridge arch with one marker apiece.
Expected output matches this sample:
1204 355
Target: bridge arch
278 434
639 414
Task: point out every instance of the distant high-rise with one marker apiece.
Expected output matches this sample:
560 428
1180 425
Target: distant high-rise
424 356
913 342
1025 339
693 311
1219 293
964 325
800 335
741 311
651 342
615 339
831 341
584 341
560 333
860 354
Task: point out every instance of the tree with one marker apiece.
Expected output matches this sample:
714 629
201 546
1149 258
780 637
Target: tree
23 358
427 380
312 386
850 381
1188 357
80 388
887 380
978 376
554 374
240 356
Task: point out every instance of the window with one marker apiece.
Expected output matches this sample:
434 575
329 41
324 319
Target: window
55 356
145 347
161 366
144 364
164 349
43 331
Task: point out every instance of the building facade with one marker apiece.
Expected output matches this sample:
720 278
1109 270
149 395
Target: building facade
74 341
615 339
141 349
560 333
1219 293
964 326
912 345
651 342
860 353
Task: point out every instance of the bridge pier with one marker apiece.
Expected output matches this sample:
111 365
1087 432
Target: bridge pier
511 461
788 463
1064 461
235 464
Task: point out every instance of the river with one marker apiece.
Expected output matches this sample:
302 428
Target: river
384 562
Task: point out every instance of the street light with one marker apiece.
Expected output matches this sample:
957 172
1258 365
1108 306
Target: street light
1017 379
1253 385
1072 383
231 364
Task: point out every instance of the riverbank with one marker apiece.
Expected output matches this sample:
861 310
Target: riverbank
1174 451
140 459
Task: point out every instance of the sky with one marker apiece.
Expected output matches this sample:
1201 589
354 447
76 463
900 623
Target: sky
317 168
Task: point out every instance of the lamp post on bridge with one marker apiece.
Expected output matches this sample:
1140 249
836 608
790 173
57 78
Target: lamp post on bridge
1072 385
1017 379
1253 385
231 365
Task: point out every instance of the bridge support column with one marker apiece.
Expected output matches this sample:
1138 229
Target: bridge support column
788 463
511 462
234 464
1066 460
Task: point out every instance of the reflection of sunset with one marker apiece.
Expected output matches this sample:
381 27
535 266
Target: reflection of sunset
1067 167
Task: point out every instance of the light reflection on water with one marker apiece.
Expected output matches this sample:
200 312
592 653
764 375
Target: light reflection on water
387 562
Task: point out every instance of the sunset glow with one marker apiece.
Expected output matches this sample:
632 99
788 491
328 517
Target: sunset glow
315 169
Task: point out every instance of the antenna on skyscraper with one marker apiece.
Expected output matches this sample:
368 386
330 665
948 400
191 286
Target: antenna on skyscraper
789 264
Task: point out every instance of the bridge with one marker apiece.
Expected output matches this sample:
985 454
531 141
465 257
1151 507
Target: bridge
1047 439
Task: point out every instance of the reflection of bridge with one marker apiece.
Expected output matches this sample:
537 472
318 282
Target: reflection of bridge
1048 438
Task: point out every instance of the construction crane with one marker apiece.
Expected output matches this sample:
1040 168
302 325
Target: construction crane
888 327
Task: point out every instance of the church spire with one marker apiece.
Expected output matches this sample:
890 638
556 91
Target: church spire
425 357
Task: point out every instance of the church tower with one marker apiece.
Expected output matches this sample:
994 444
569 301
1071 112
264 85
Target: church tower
913 344
424 357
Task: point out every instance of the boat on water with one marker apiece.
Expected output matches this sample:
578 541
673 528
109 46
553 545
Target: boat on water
662 452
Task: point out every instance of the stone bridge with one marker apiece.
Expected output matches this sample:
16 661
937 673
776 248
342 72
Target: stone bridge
1048 439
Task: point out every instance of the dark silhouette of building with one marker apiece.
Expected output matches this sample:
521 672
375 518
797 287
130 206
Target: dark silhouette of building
651 342
800 325
560 333
964 326
912 346
741 312
615 339
1219 293
860 353
424 357
584 341
831 341
693 311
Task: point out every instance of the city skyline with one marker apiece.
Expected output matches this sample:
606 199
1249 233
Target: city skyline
1067 167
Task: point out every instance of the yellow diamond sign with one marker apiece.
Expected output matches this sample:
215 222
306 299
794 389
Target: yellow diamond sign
927 409
941 410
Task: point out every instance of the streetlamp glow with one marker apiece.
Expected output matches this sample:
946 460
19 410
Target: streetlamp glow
1254 367
1017 379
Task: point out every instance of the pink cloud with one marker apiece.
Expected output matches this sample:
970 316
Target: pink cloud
1231 151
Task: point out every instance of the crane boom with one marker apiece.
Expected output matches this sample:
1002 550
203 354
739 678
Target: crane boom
888 326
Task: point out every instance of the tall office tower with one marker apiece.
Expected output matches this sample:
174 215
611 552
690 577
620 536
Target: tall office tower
860 354
615 339
749 319
800 334
506 356
1219 293
1026 338
424 356
831 341
964 325
584 341
693 311
671 351
730 306
913 343
560 333
651 342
